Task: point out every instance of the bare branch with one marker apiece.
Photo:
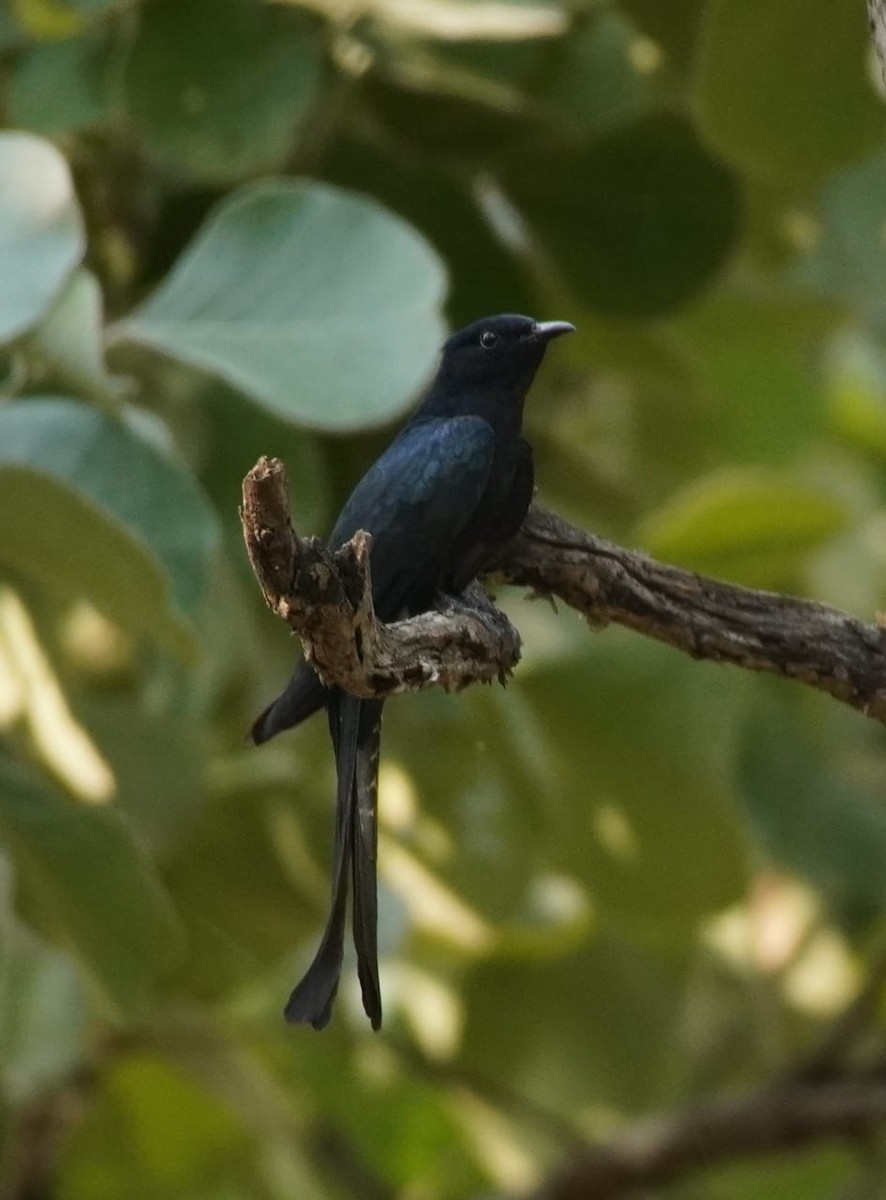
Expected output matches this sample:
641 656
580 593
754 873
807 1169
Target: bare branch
326 598
761 631
659 1150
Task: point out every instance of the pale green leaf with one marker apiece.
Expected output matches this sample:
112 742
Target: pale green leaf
315 302
70 341
107 517
41 230
57 86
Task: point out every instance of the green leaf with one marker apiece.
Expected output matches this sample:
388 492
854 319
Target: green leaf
752 526
83 880
846 255
224 104
41 230
108 517
598 86
60 86
783 90
317 303
637 221
856 380
70 341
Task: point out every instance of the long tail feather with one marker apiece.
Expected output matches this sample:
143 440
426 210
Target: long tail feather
312 999
365 844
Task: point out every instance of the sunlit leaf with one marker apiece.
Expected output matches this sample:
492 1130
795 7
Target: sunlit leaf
317 303
41 230
457 20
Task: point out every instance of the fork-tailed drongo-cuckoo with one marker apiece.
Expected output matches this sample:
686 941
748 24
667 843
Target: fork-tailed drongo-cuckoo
452 486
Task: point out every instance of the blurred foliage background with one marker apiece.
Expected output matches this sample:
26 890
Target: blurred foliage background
230 228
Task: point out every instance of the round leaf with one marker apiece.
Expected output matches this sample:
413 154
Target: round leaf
317 303
60 86
225 105
783 89
41 231
107 516
70 340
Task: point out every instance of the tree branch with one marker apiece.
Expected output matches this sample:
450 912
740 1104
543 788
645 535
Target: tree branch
658 1150
327 599
761 631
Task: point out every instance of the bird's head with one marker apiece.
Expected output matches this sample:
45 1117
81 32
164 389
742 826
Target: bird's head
500 353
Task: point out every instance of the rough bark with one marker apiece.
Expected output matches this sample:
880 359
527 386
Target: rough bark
326 598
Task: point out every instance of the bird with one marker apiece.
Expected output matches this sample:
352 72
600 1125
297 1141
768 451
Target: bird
453 486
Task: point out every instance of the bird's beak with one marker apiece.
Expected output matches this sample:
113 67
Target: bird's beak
544 331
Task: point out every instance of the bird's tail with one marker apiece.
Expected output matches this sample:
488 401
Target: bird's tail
356 735
365 914
302 696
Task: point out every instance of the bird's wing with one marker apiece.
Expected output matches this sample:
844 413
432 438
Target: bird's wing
415 501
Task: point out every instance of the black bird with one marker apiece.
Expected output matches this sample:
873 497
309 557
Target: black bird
452 487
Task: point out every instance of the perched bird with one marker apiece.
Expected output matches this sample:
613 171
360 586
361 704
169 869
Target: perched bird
452 487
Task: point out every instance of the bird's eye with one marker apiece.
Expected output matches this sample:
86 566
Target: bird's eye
488 339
